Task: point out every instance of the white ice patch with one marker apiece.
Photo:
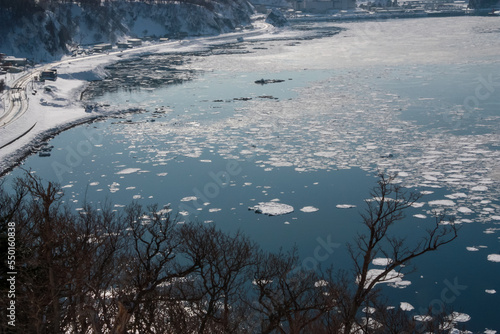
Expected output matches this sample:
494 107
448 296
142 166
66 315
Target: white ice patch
114 187
479 188
189 199
465 210
421 216
406 306
494 257
214 210
391 277
472 249
490 291
93 184
459 317
381 261
128 171
345 206
308 209
442 202
326 154
422 318
272 208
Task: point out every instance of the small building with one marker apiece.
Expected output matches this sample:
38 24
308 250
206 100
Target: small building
102 47
323 6
48 75
135 41
123 45
11 61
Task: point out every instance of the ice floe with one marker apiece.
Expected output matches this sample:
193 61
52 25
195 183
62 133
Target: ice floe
490 291
308 209
189 199
345 206
406 306
459 317
128 171
494 257
381 261
442 202
391 277
272 208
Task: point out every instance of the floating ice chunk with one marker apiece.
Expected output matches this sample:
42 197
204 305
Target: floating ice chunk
494 257
422 318
214 210
272 208
114 187
490 331
130 188
206 160
418 204
136 197
321 283
421 216
189 198
406 306
490 291
309 209
326 154
128 171
161 174
427 192
443 202
495 217
472 249
391 277
465 210
459 317
93 184
456 195
369 310
400 284
67 186
479 188
184 213
381 261
345 206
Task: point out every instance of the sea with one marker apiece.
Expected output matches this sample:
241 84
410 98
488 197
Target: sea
304 120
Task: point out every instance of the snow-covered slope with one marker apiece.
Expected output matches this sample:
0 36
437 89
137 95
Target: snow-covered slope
46 35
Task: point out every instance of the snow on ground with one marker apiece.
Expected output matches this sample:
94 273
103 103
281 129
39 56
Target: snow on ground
55 106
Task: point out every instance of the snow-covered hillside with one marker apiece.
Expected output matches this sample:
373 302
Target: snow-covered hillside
48 34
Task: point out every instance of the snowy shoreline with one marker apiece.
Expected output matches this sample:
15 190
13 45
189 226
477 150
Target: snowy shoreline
54 107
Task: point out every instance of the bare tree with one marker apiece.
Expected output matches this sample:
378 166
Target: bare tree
221 277
288 297
384 209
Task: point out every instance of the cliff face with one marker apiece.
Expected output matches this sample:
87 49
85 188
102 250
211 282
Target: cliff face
48 34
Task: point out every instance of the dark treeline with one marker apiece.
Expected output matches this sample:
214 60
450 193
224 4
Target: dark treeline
141 271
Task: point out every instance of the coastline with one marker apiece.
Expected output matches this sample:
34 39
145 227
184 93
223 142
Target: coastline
54 107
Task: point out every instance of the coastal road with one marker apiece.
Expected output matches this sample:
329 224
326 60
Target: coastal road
18 96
